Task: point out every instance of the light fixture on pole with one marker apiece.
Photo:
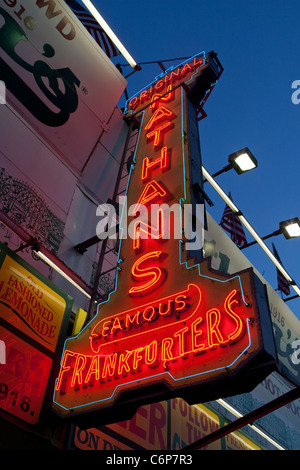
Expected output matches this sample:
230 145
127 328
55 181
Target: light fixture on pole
289 228
241 161
249 227
61 270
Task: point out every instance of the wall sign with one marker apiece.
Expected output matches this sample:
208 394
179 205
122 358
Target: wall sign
167 425
23 379
171 328
33 319
56 76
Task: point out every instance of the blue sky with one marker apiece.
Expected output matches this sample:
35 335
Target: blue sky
258 44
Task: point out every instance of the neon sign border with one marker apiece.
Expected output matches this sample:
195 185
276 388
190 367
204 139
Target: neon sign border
162 374
163 74
182 199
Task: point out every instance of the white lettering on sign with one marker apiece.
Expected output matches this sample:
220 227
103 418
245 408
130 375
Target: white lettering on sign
64 25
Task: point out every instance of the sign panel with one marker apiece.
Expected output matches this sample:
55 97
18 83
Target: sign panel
23 378
170 425
27 302
171 328
281 424
57 78
33 320
228 258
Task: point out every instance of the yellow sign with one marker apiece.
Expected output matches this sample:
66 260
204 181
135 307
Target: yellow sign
168 425
29 304
34 316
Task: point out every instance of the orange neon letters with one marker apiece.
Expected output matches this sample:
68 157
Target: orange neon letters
213 319
180 334
158 133
156 233
130 353
228 308
140 274
153 192
160 115
162 162
181 73
158 98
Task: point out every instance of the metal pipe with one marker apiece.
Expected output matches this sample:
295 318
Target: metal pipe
247 419
274 234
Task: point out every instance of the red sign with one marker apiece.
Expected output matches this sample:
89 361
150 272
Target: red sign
169 326
34 316
184 73
23 379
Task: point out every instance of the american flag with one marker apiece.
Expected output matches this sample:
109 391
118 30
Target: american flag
283 284
232 224
93 28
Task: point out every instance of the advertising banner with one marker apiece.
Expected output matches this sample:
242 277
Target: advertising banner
34 315
282 424
227 257
57 78
169 425
24 378
30 303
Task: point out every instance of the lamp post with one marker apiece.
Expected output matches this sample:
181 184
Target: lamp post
241 161
289 228
249 227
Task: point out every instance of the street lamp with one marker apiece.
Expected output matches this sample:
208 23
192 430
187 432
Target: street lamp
289 228
241 161
249 227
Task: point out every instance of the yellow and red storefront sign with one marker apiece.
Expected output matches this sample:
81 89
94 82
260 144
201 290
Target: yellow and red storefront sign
30 304
167 425
171 326
33 316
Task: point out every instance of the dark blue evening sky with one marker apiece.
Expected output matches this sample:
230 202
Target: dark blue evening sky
258 44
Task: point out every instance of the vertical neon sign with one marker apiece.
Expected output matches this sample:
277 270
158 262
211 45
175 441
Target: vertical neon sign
168 324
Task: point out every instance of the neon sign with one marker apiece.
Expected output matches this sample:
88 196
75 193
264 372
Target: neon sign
122 344
170 326
164 84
